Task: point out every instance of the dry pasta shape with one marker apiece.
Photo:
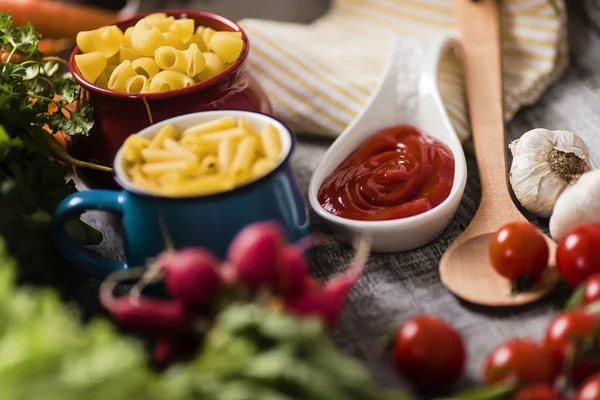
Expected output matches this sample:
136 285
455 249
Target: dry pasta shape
261 167
169 80
137 84
183 28
173 40
250 129
245 154
145 66
196 60
159 155
106 40
91 65
234 34
197 39
213 67
271 142
146 38
120 76
127 36
127 53
102 80
225 154
171 59
166 132
206 34
227 47
205 184
211 126
209 165
161 23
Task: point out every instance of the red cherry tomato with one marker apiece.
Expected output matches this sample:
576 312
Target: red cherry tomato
590 390
578 254
540 391
519 250
429 352
563 332
521 361
592 289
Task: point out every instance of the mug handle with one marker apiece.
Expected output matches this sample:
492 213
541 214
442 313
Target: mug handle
74 204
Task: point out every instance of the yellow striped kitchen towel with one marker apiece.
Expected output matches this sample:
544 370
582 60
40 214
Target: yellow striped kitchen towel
319 76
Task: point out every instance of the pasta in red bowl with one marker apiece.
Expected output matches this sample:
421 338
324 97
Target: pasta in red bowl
157 66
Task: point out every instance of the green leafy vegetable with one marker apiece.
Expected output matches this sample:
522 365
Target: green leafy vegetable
31 182
251 353
24 39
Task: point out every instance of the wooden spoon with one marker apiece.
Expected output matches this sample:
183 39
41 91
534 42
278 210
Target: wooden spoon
465 267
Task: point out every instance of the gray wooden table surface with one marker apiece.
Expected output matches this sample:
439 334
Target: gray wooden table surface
397 286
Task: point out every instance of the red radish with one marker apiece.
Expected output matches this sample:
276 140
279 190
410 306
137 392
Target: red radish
256 254
149 317
326 301
192 277
294 270
168 351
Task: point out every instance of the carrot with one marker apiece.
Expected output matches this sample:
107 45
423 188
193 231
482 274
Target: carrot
57 20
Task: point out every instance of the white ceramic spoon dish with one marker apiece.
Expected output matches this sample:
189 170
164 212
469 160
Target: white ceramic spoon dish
407 94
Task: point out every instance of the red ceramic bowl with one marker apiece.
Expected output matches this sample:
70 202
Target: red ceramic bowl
118 115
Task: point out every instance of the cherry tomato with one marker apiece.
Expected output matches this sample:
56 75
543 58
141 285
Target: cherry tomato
590 390
521 361
578 254
429 352
519 250
592 289
563 332
540 391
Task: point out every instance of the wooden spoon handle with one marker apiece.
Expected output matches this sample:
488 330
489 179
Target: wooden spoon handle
479 26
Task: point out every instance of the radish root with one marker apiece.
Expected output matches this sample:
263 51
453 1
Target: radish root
152 274
107 288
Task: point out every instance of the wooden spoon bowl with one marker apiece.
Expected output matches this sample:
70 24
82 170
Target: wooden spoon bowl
465 268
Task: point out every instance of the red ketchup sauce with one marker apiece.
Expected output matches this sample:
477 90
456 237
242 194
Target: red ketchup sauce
397 173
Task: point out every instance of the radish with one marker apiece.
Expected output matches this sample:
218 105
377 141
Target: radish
294 271
256 255
168 351
150 317
326 302
147 317
192 277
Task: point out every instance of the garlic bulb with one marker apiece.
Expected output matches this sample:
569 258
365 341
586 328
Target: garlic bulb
579 204
544 163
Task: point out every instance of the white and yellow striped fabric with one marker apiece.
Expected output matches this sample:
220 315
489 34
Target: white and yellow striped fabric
319 76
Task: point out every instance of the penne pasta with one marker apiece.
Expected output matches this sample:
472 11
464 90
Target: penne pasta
175 147
235 133
211 126
242 160
271 142
225 154
159 155
209 165
207 158
261 167
158 168
206 185
166 132
250 129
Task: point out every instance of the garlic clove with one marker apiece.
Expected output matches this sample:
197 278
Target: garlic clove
544 163
579 204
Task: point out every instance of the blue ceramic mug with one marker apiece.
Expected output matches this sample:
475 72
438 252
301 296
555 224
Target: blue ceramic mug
209 221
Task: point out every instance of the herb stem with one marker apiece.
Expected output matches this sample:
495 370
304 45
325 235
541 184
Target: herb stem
57 59
12 52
